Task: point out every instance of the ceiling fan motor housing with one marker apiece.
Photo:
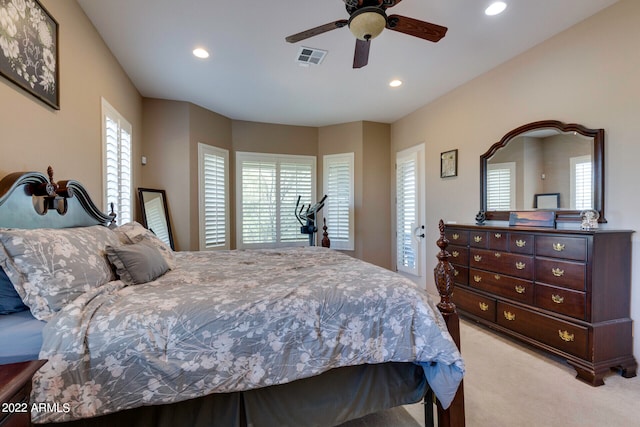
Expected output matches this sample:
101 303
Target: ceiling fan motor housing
367 23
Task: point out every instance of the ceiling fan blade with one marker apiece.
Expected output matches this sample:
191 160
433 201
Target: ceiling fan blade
317 30
417 28
361 55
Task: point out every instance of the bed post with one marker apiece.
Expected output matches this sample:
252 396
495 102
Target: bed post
443 274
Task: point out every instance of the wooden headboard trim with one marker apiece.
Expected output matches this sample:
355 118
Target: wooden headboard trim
22 192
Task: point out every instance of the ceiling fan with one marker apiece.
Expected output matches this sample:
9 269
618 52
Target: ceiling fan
367 19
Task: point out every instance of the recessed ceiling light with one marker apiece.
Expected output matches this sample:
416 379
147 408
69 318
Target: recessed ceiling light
395 83
495 8
200 53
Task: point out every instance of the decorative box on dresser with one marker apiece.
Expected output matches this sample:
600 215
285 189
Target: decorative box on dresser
15 391
564 291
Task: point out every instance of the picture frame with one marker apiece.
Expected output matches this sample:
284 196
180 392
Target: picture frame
546 201
449 163
29 52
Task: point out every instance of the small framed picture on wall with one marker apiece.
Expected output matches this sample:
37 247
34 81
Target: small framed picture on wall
449 163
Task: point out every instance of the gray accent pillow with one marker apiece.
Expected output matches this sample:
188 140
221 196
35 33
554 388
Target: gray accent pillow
134 232
51 267
137 263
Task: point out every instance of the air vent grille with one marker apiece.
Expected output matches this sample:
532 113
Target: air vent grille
309 55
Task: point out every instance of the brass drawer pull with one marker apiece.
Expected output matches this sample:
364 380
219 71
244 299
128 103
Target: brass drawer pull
477 279
498 235
483 306
455 254
521 243
557 299
509 316
566 336
520 265
558 247
477 258
557 272
477 239
456 272
497 255
520 289
455 236
497 276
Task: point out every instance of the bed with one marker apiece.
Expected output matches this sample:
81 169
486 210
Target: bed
136 334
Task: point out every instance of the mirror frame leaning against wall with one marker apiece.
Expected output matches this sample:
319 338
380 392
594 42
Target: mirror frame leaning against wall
161 194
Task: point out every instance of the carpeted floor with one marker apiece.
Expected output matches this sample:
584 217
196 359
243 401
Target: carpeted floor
510 384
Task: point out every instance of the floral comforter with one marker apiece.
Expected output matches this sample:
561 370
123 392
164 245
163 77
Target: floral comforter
236 320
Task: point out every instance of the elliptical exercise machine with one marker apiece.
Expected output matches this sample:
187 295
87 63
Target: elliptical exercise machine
307 218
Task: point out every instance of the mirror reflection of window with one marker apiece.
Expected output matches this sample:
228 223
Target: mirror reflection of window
501 186
156 220
581 183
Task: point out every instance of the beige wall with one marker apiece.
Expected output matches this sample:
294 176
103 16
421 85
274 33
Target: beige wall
587 74
370 143
34 136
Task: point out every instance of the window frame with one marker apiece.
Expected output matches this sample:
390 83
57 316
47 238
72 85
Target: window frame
108 111
206 149
337 241
511 166
278 159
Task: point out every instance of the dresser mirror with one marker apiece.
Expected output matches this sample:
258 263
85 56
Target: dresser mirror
155 214
562 164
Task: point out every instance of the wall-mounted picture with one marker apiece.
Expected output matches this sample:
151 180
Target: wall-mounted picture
449 163
29 49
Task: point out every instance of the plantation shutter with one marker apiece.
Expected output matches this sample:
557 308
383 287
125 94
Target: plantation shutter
295 180
268 189
117 163
581 182
156 221
214 198
338 210
406 212
501 187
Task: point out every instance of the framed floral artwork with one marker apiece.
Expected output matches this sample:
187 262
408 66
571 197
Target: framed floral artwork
29 49
449 163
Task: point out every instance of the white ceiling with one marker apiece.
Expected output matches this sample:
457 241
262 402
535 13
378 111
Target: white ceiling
252 72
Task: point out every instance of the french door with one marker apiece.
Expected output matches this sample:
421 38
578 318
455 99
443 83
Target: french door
410 232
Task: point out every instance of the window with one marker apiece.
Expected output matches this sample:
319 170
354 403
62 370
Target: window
267 190
338 208
406 210
116 140
501 186
581 182
213 164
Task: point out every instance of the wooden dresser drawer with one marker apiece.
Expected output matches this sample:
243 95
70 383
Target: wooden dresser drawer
459 254
498 240
561 273
499 284
521 243
560 300
457 237
574 248
475 304
460 274
562 335
502 262
478 239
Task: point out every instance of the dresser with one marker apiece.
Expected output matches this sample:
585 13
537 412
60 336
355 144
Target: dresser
566 292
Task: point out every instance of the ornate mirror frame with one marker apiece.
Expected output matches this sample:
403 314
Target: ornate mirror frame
598 167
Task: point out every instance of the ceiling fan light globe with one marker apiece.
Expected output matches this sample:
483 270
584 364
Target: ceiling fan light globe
367 23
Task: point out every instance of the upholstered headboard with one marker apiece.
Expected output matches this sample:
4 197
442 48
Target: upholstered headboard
33 200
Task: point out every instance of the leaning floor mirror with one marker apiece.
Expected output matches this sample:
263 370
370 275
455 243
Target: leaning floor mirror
153 205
